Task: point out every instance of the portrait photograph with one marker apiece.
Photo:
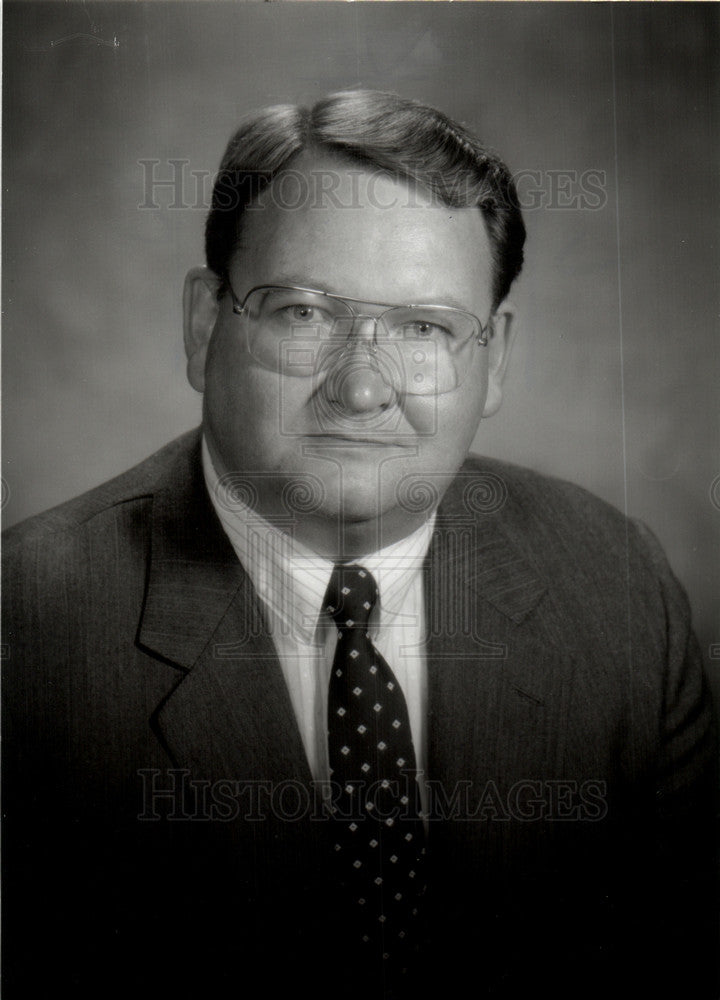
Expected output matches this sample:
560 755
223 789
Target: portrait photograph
361 499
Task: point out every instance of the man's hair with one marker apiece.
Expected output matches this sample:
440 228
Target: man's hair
410 141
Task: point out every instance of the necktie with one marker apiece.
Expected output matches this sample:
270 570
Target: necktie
378 841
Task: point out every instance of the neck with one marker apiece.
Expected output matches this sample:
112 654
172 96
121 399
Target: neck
340 541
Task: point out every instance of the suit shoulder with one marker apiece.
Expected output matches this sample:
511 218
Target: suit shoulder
133 485
554 518
577 543
539 495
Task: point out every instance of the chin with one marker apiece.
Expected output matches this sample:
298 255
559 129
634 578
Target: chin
354 507
357 497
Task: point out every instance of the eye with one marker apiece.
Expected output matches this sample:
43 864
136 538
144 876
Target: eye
424 329
303 312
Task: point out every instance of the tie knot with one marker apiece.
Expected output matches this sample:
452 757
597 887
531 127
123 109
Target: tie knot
351 596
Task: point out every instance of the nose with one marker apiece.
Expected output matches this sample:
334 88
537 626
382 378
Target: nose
362 390
356 383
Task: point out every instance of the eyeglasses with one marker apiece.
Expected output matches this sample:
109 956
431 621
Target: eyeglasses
417 349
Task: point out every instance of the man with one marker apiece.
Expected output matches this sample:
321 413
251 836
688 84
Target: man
311 700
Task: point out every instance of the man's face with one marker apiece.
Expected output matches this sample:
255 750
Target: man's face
355 442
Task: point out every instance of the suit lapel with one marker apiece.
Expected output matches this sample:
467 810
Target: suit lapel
498 682
230 716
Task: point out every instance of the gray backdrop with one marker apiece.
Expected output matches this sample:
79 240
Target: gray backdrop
607 113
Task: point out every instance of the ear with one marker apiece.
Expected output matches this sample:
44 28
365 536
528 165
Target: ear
200 310
500 340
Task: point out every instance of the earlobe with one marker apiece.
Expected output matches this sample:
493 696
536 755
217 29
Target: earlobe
501 336
200 309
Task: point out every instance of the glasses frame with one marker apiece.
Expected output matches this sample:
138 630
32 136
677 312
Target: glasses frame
481 333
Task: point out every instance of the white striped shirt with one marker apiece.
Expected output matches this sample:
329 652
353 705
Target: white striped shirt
291 581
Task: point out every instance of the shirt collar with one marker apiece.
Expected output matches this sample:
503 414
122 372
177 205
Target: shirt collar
291 578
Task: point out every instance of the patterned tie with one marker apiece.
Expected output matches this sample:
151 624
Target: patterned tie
378 836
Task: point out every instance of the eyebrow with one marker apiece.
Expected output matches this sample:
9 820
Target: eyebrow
303 281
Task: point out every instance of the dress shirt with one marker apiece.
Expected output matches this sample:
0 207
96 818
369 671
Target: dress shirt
291 580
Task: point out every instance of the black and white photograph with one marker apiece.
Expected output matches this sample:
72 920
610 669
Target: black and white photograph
361 499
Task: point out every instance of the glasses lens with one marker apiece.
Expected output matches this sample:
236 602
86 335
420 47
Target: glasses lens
277 315
448 329
428 340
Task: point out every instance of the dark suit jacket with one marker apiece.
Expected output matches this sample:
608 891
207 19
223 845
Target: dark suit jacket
569 745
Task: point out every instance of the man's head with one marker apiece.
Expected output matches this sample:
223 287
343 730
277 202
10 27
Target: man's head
381 202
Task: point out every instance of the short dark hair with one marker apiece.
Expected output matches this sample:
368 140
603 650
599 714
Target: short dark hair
409 140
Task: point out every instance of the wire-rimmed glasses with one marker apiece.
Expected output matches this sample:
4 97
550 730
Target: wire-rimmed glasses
301 332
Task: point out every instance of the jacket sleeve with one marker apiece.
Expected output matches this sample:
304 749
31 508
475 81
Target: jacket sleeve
684 891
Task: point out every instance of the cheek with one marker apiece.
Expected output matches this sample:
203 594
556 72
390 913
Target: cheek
236 380
249 407
448 423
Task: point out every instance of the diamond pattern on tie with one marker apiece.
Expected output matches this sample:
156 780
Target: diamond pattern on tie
381 855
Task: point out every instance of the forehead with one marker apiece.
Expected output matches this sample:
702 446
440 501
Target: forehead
350 229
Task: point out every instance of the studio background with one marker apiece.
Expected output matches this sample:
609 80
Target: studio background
607 113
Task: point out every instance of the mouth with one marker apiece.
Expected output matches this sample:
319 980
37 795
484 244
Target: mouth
358 441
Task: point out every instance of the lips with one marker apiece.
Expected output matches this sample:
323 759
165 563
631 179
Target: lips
358 440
